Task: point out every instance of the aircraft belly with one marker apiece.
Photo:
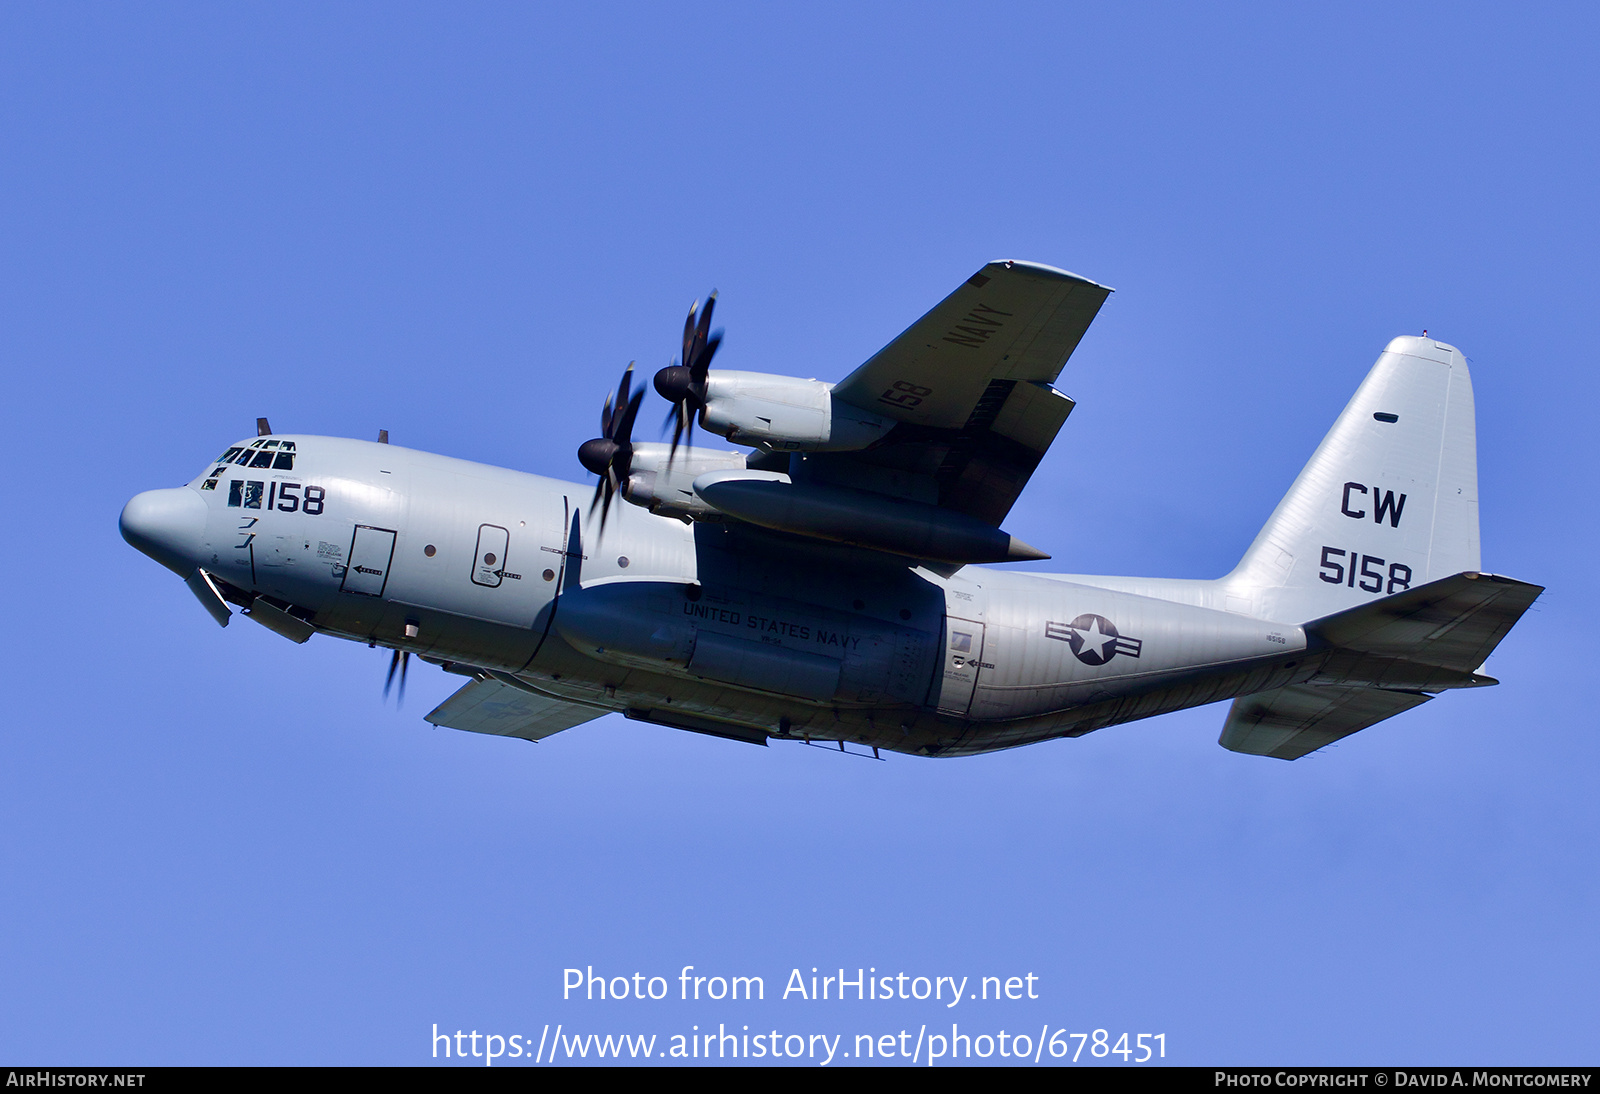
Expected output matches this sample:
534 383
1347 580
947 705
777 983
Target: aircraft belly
730 636
688 702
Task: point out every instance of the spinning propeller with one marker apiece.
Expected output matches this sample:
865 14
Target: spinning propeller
400 661
684 385
610 455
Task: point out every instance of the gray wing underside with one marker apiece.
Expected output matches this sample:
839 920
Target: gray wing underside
489 706
970 386
1434 637
1287 723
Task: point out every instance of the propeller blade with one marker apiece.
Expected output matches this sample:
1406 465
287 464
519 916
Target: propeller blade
688 333
675 419
684 385
623 423
703 349
708 352
610 455
394 663
610 483
405 662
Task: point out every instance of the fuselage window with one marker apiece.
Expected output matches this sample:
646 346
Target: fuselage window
263 459
284 461
235 493
252 494
243 458
209 484
227 457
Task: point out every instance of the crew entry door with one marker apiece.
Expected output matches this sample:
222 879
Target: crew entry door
963 657
367 569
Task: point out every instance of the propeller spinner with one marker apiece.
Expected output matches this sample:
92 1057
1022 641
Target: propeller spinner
684 385
610 455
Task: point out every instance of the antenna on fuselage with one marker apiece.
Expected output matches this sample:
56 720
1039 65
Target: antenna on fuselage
383 436
262 428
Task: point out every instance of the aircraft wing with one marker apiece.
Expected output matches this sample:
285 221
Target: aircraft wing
490 706
1287 723
1010 321
969 384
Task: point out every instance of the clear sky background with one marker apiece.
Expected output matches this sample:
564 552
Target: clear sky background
459 225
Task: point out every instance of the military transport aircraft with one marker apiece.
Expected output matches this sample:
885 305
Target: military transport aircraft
820 584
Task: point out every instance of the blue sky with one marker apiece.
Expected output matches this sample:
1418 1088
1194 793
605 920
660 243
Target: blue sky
223 848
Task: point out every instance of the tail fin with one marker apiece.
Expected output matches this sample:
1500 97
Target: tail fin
1388 502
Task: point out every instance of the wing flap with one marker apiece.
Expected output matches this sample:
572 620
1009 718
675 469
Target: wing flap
1032 415
1289 722
490 706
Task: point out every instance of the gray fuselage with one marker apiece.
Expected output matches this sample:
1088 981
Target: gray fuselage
706 625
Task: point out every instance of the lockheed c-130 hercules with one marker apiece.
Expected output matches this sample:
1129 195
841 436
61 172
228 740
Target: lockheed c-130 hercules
820 585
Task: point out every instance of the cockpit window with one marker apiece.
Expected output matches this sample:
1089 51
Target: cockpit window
268 452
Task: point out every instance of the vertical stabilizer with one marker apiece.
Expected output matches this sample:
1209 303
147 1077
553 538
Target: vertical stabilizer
1388 502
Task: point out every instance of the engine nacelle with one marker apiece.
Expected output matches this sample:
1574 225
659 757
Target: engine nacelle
663 482
840 515
787 414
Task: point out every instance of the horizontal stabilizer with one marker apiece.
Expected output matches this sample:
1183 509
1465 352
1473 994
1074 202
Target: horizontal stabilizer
1434 637
1454 622
1289 722
489 706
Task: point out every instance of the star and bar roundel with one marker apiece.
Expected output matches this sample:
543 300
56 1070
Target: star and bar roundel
1094 639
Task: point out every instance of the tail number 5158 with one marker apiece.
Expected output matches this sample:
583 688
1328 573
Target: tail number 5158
1369 569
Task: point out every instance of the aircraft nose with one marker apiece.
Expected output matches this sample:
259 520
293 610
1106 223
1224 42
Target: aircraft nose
167 525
